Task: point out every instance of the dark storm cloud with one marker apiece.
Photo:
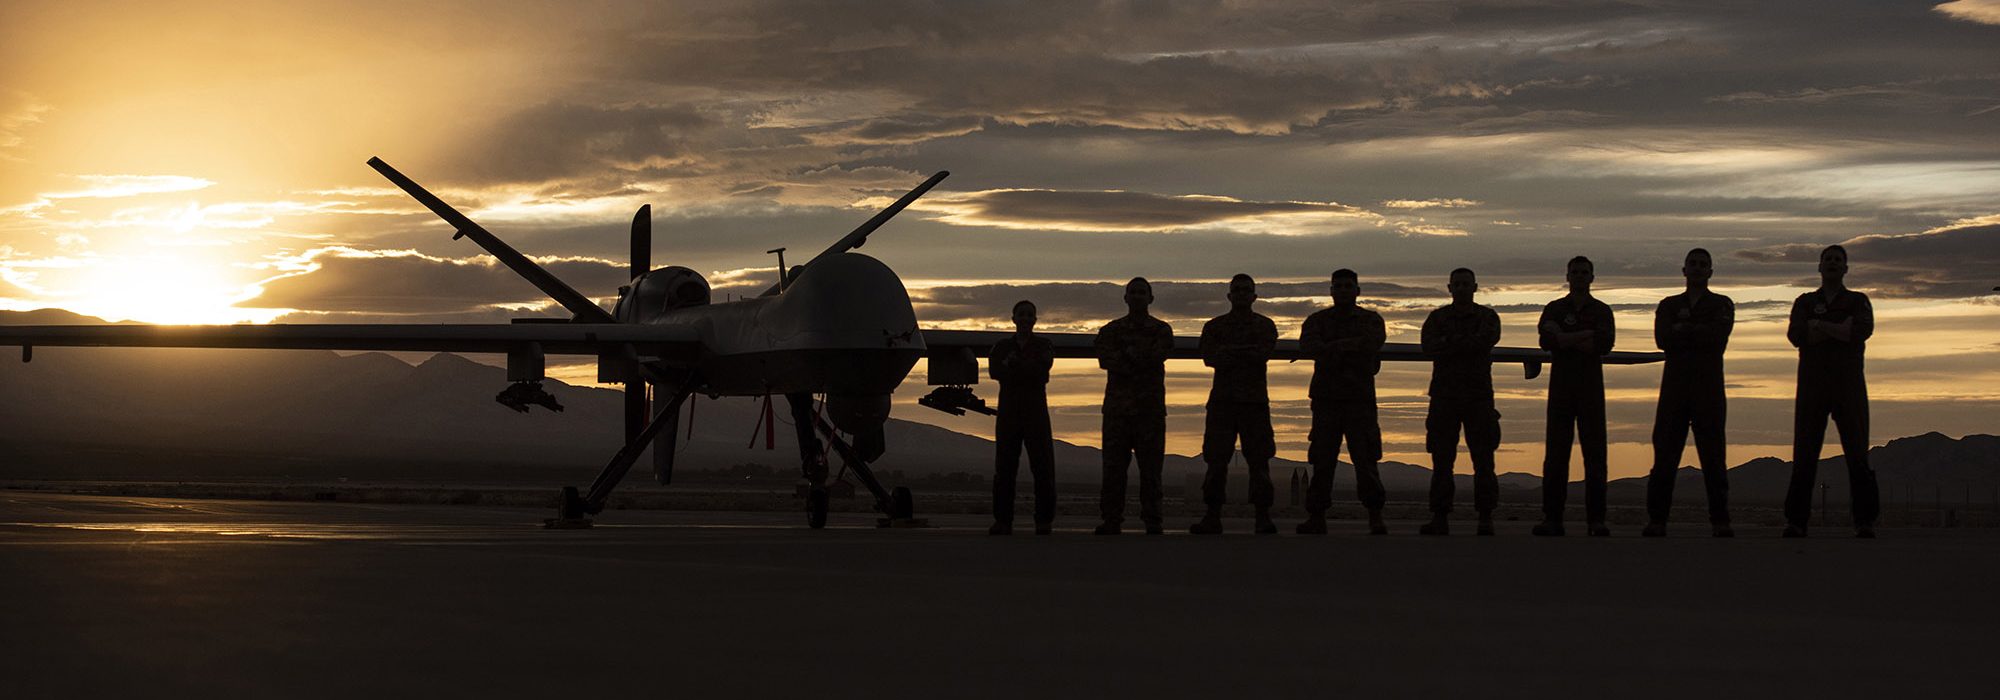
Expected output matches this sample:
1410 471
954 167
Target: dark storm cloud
404 283
897 130
560 139
1114 210
753 94
1950 262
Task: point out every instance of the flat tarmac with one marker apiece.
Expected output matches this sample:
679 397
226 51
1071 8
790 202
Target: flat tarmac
121 596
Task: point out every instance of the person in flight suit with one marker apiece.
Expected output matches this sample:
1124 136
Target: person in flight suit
1830 326
1133 351
1237 344
1021 365
1577 330
1693 329
1343 342
1459 338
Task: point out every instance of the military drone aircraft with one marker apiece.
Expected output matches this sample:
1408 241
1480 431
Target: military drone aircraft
839 326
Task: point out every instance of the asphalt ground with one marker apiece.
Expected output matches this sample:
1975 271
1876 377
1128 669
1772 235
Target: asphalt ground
153 597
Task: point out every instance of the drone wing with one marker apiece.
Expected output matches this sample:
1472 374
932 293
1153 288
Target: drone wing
672 344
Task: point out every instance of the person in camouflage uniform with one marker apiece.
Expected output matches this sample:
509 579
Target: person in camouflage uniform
1343 342
1020 363
1237 344
1578 331
1133 352
1693 328
1830 326
1459 338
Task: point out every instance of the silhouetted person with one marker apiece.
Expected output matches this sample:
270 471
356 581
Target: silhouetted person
1021 365
1133 352
1577 330
1343 342
1237 344
1693 329
1830 326
1459 338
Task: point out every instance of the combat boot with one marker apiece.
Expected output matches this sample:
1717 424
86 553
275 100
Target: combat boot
1549 528
1315 524
1722 529
1000 528
1485 525
1597 529
1375 524
1437 526
1108 528
1044 528
1264 525
1153 527
1210 524
1795 530
1654 529
1864 531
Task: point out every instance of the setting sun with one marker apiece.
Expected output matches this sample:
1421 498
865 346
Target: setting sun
167 287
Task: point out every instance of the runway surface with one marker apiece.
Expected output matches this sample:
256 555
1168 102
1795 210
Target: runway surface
120 596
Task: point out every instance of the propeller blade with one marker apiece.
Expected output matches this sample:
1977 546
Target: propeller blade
642 241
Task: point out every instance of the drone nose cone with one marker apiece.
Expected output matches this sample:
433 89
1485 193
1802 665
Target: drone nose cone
851 300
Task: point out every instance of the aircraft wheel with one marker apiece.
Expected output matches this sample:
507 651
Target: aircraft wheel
816 507
902 505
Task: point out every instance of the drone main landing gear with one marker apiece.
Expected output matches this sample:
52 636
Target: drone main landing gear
574 511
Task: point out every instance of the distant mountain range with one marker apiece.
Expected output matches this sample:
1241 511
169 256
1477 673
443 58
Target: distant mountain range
194 414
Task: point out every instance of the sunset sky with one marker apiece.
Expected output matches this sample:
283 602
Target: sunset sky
204 163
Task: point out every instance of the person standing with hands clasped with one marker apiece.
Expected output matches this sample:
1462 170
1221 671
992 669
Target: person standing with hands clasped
1577 330
1830 326
1237 344
1021 365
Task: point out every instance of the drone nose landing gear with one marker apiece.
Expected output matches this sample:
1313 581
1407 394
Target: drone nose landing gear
898 506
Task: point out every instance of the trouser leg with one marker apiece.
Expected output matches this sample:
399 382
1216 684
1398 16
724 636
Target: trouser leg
1006 468
1324 454
1485 483
1809 415
1215 485
1042 466
1259 446
1443 488
1482 438
1670 431
1262 492
1368 485
1851 417
1441 440
1590 431
1117 460
1150 448
1712 448
1218 444
1364 448
1319 492
1555 455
